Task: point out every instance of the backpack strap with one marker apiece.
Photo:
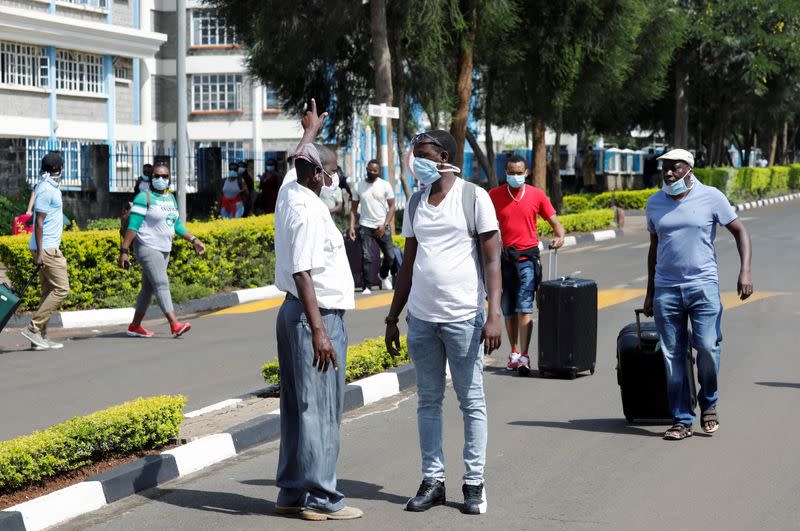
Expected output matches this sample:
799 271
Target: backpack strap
411 207
148 200
468 204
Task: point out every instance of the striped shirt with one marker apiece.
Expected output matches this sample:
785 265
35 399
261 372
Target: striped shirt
156 226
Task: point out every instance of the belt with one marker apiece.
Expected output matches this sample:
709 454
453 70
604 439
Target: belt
290 297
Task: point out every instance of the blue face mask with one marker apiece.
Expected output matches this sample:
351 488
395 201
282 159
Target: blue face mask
515 181
676 188
160 183
270 167
427 172
232 173
242 170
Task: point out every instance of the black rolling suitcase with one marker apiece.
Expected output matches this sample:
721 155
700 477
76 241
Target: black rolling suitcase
567 324
353 250
641 374
10 301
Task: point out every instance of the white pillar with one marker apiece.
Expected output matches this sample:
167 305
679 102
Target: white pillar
258 147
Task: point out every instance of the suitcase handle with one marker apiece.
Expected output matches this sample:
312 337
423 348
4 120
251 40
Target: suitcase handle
639 312
552 270
30 280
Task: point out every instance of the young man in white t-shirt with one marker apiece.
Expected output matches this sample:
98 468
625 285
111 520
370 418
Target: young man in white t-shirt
446 322
376 198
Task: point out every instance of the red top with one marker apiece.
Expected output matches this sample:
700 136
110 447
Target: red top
517 214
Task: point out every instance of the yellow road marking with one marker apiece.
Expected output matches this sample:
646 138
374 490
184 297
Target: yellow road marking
730 299
610 297
251 307
605 298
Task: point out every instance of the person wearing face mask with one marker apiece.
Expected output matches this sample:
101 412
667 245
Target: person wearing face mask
518 205
451 262
683 285
143 182
270 183
311 267
248 198
45 246
233 194
375 198
153 224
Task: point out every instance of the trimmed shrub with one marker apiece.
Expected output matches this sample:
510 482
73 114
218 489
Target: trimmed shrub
794 177
142 424
239 253
626 199
779 179
399 241
754 181
575 204
364 359
583 222
720 178
103 224
9 208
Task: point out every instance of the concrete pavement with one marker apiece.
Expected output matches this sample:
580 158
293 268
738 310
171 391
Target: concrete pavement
560 454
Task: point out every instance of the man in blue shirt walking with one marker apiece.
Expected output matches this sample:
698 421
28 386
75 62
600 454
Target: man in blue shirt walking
683 284
45 246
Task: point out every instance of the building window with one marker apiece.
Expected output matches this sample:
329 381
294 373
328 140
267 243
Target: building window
75 156
231 151
208 30
271 101
23 65
102 4
79 72
121 73
216 92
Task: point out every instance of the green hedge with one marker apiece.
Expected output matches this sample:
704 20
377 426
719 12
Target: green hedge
239 253
143 424
722 179
626 199
103 224
575 204
584 222
364 359
753 181
794 177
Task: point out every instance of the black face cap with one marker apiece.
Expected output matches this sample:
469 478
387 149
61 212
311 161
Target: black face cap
52 162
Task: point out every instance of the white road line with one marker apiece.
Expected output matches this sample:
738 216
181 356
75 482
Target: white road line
642 278
231 402
579 248
641 245
620 286
617 246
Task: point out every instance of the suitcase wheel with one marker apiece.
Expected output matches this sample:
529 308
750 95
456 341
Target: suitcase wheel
573 375
591 371
629 420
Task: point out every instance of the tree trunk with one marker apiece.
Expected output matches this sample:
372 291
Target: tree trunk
785 144
773 147
382 58
458 128
491 173
681 136
554 169
483 161
539 155
401 122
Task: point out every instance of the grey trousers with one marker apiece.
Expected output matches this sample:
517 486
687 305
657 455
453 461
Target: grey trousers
311 411
154 278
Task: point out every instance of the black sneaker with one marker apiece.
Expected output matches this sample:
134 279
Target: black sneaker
474 499
430 494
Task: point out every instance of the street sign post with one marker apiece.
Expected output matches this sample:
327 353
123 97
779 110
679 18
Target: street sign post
384 112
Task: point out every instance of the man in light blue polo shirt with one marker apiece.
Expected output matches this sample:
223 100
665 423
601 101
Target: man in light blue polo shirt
45 246
683 284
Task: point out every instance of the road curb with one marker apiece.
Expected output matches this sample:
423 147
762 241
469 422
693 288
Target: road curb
766 202
152 471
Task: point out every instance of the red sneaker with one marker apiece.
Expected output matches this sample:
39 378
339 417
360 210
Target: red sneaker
139 331
180 328
524 367
513 362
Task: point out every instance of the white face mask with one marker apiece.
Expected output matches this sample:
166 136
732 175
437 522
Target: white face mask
160 183
328 191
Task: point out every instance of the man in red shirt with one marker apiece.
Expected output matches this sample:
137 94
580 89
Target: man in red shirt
517 205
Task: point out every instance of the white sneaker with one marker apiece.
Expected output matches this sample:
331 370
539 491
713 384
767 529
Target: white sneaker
35 338
366 291
53 344
386 283
34 346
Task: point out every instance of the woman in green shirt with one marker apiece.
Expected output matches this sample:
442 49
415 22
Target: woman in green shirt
154 221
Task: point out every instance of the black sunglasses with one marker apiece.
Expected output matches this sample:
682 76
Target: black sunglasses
425 138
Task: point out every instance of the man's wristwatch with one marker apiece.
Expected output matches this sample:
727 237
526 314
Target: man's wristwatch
391 320
123 250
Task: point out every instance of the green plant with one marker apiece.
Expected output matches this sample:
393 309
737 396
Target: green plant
626 199
794 176
583 222
399 241
720 178
238 253
182 292
103 224
10 208
142 424
364 359
779 179
574 204
754 181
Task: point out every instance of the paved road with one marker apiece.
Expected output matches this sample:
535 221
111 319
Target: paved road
560 455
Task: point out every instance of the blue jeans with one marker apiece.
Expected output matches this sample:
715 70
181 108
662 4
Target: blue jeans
518 287
311 411
431 346
673 309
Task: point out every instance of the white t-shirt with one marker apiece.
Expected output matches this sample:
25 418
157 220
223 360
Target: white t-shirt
306 239
373 202
446 284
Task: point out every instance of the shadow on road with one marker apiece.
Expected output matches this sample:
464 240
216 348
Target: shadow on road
793 385
351 489
596 425
217 502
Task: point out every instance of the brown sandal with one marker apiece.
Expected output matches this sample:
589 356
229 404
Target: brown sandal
678 432
709 420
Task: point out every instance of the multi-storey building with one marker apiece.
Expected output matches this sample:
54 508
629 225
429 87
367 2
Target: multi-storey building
96 80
